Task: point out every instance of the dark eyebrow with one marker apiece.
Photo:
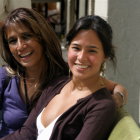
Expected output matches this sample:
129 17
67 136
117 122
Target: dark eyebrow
92 47
26 33
75 44
11 37
23 33
89 47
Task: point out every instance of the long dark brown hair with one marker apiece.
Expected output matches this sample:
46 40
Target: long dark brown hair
37 24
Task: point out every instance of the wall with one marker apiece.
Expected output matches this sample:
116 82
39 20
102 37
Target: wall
101 8
124 17
7 6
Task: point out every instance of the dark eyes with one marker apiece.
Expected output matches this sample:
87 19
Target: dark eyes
27 36
92 51
88 50
75 48
12 41
24 36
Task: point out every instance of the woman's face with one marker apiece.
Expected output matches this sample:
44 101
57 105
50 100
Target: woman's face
25 47
85 55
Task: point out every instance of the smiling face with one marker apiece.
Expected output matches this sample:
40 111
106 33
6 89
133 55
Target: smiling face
85 55
25 47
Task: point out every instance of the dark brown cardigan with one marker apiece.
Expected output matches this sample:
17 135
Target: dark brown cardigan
91 118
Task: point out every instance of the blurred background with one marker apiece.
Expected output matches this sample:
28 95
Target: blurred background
122 15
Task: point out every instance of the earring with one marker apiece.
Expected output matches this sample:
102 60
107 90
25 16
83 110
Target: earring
103 68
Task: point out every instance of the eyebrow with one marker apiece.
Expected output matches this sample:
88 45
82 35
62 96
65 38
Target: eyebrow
9 38
90 47
22 33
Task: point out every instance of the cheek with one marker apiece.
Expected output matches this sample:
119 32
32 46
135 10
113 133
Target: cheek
13 51
100 63
71 57
41 51
38 48
97 60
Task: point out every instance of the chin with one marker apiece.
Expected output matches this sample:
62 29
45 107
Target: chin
79 77
27 65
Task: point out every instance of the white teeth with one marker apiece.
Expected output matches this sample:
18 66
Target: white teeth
26 54
82 66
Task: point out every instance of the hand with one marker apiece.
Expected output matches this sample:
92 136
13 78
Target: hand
116 90
120 95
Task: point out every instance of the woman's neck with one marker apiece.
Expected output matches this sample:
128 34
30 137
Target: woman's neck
34 73
90 84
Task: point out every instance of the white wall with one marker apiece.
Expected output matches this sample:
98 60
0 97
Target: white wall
101 8
124 17
7 6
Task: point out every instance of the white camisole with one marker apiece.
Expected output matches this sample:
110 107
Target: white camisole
44 133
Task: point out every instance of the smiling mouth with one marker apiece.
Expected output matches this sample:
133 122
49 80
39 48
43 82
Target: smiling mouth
81 66
25 55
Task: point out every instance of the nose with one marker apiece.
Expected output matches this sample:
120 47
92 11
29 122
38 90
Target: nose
21 44
81 56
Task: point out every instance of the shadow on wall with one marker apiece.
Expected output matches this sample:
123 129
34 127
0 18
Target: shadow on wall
126 38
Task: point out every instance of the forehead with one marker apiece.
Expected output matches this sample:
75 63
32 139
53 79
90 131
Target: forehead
15 28
87 36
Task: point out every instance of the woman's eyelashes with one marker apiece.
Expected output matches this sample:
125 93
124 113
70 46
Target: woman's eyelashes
87 50
75 48
12 40
92 51
24 37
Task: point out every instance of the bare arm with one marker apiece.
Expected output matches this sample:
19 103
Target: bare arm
119 92
120 95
